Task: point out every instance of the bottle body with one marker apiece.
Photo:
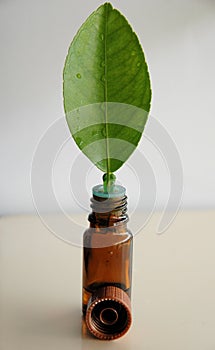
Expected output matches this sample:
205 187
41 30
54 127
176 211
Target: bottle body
107 260
107 269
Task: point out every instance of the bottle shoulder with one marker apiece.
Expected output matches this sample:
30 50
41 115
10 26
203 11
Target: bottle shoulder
103 237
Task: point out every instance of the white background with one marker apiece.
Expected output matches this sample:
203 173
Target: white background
178 40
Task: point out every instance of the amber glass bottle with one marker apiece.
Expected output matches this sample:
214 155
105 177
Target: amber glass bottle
107 265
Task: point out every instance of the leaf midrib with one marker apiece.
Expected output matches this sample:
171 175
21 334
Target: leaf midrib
106 92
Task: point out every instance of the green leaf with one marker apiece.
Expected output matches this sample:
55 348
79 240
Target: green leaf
106 89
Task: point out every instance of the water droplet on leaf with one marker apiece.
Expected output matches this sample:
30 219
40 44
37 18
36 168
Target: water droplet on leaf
102 106
138 64
103 132
79 141
102 36
78 75
94 133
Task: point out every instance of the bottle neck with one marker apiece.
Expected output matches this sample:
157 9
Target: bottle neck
108 212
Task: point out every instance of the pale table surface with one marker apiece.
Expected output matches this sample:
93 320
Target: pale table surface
173 288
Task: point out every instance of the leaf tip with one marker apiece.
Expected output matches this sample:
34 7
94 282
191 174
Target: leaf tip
107 6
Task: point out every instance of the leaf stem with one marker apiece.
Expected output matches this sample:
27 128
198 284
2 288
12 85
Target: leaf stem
109 182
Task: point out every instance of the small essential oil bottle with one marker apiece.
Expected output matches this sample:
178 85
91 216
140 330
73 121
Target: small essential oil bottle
107 265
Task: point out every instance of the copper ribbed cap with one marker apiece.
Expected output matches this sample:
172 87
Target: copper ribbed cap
108 313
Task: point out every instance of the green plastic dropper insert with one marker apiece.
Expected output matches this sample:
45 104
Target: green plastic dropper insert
109 189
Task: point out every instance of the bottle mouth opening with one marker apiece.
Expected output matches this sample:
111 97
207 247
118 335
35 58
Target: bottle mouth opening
109 317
